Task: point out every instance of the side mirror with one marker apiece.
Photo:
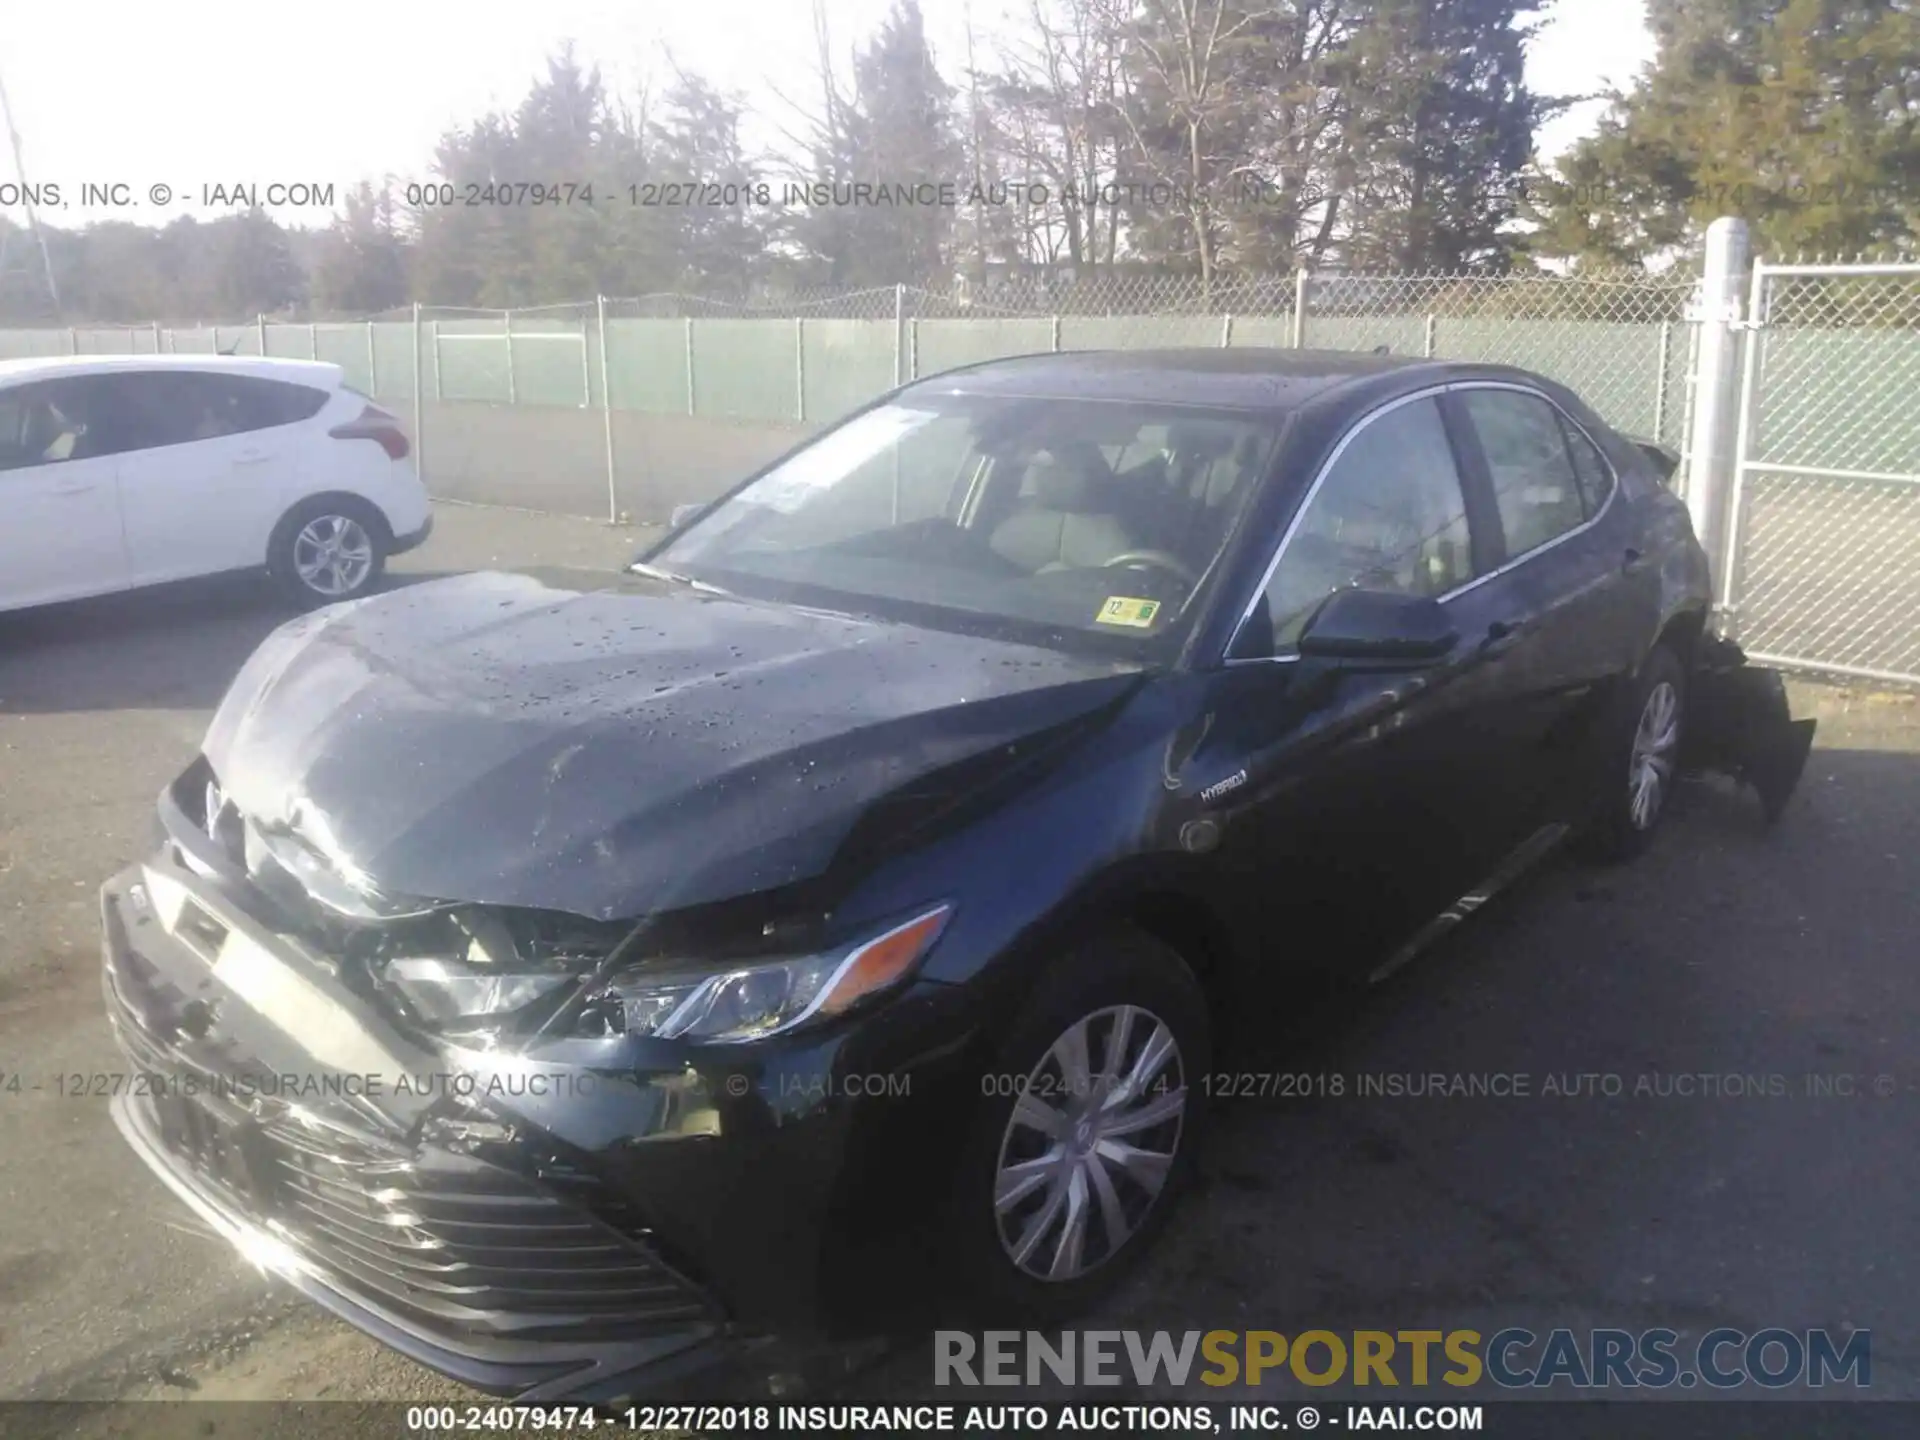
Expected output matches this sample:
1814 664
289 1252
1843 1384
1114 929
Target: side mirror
685 515
1377 626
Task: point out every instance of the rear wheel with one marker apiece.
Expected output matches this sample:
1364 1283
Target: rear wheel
1086 1130
1639 760
328 549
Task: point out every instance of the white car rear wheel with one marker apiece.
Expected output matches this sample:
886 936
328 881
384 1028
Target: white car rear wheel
328 550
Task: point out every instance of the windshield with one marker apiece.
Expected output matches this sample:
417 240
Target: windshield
1058 515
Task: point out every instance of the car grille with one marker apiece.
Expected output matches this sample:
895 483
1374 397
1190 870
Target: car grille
456 1245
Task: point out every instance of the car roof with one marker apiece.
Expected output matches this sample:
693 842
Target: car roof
1259 378
51 367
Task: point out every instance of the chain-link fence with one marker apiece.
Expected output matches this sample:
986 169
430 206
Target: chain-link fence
805 358
626 407
1825 561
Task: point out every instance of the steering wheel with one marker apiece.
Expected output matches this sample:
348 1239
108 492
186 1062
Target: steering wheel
1155 559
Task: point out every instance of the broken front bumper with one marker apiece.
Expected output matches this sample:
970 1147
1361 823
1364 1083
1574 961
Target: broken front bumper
478 1269
1740 724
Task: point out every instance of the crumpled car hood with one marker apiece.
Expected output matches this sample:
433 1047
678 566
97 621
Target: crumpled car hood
490 739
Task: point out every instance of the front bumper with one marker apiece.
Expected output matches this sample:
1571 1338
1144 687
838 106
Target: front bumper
468 1265
638 1229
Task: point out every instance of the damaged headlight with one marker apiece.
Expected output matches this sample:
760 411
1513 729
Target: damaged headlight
445 990
749 1002
471 964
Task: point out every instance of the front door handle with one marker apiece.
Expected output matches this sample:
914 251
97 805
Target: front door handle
74 487
250 457
1633 560
1502 636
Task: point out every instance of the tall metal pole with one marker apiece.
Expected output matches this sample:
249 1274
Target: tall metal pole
26 195
1711 457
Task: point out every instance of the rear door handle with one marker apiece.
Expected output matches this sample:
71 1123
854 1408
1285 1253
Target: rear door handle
1633 560
74 487
250 457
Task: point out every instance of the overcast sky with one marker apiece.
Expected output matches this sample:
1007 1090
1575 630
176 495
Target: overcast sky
196 92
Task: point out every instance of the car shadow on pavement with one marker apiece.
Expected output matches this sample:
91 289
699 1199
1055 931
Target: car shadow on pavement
1678 1092
172 646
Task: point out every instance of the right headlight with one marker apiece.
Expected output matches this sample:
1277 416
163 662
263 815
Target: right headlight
749 1002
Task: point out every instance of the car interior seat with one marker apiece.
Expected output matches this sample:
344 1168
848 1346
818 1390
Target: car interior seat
1066 516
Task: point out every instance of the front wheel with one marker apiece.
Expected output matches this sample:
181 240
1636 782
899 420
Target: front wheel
328 550
1639 760
1086 1130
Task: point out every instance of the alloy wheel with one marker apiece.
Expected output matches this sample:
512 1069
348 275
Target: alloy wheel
333 555
1091 1142
1655 739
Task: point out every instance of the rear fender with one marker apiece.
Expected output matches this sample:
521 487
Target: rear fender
1740 724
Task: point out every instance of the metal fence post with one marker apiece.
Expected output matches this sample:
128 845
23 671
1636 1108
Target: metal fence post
260 331
1716 392
1226 330
913 348
156 337
800 369
506 328
1426 339
373 363
1728 555
419 410
433 341
606 414
73 341
313 341
586 367
1053 335
1660 381
899 334
691 407
1299 309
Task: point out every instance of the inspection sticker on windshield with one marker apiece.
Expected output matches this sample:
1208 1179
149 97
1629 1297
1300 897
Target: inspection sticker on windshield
1121 610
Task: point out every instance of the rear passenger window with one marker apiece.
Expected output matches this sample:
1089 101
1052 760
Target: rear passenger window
1533 476
1589 468
180 407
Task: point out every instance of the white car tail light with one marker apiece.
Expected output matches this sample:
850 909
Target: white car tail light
376 424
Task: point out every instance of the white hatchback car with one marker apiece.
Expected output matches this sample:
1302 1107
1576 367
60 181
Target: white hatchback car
121 471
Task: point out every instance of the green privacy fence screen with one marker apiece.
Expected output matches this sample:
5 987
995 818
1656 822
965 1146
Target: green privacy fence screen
1624 342
1621 343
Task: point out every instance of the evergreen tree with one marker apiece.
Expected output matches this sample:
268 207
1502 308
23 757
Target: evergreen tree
897 128
256 271
362 263
1440 134
1802 116
719 246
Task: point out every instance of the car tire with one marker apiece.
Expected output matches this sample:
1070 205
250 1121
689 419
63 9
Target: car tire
1639 761
1010 1261
328 549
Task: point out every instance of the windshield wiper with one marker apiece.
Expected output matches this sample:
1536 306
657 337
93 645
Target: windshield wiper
640 567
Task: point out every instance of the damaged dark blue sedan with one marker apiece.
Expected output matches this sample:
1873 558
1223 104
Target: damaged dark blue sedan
580 989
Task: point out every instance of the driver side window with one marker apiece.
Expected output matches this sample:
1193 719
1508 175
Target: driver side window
1388 515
